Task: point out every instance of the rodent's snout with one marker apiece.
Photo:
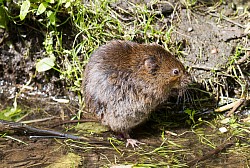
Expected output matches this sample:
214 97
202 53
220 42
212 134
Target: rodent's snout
186 80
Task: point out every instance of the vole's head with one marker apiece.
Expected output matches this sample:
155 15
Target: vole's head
163 69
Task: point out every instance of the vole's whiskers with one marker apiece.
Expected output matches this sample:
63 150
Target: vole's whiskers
179 99
189 96
184 97
181 96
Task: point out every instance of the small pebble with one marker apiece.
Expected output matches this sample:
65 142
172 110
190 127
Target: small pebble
190 29
223 129
122 166
225 121
61 100
214 51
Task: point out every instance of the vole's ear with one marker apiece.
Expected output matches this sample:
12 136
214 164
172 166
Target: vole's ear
151 65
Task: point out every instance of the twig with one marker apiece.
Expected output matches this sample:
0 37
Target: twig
229 20
244 58
6 126
233 105
38 120
246 119
73 121
206 68
210 153
237 105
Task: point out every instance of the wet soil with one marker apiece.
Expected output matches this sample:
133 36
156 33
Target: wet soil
208 42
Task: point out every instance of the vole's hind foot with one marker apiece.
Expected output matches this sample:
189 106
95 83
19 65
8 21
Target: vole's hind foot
133 142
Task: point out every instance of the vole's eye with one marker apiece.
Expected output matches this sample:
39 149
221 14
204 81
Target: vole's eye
175 71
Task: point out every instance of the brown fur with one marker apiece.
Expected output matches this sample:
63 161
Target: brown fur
125 81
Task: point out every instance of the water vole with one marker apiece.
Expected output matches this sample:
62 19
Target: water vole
125 81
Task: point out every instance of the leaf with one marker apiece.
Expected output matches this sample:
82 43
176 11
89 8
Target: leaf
45 64
24 9
11 114
3 18
67 4
50 1
52 17
41 8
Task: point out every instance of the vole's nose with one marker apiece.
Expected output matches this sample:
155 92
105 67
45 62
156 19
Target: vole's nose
186 80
